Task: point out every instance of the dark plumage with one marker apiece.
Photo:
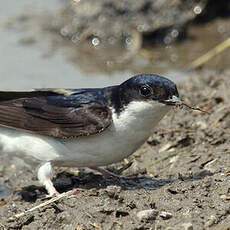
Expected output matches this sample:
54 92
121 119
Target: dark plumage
68 113
34 124
161 89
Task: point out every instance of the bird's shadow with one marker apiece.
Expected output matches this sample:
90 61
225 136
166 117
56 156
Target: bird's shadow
66 181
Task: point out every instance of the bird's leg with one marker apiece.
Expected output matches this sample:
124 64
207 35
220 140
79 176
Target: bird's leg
107 174
45 174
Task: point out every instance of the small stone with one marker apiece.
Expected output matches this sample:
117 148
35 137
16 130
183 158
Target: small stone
107 209
211 221
131 205
187 226
121 213
113 190
93 192
202 125
225 197
172 191
149 214
165 215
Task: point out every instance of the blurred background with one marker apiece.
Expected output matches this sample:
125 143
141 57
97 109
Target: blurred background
88 43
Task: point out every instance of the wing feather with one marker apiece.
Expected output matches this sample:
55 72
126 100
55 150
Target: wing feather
37 115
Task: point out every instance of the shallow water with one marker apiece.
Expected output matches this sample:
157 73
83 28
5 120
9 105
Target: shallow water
25 67
26 64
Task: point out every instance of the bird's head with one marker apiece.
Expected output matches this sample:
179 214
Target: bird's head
149 88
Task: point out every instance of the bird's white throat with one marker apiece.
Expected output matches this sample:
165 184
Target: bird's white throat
140 115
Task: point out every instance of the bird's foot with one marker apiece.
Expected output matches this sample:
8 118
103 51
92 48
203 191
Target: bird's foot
52 194
108 174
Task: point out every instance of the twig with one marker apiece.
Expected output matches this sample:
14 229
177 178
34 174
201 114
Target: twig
60 196
210 54
181 104
195 108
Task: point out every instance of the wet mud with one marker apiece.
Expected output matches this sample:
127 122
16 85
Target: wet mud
182 175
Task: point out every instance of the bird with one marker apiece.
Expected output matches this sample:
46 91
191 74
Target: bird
86 127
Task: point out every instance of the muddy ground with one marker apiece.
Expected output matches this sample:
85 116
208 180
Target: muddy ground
182 175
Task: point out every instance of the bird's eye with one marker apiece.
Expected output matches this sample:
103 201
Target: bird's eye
146 91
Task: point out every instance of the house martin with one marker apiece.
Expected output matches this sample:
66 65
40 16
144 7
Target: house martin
88 127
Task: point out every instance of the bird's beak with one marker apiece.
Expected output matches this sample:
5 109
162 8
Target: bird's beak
172 101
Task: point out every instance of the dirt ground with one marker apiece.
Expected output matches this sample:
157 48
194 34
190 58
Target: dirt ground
182 176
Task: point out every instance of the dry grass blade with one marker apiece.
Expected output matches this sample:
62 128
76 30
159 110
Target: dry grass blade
52 200
182 104
210 54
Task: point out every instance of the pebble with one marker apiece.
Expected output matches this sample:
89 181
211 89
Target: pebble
187 226
165 215
149 214
225 197
211 221
113 190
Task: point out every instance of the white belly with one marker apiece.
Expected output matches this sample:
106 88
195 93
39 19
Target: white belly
121 139
127 133
29 147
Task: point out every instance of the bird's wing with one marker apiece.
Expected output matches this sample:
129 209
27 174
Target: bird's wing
53 114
